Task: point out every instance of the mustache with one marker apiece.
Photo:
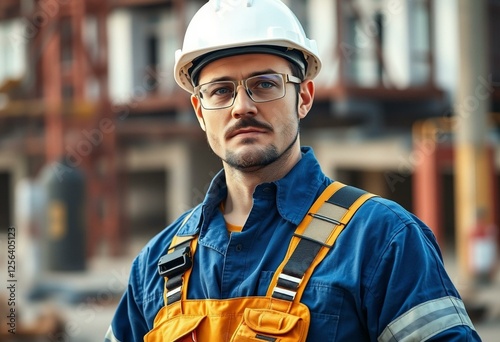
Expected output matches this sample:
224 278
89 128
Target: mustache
245 123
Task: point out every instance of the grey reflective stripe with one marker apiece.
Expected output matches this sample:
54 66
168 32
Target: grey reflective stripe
427 320
110 337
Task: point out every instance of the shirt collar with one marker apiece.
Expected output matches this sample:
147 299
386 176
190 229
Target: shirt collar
295 193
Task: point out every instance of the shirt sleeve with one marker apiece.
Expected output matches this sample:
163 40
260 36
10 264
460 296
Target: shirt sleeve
410 296
129 323
137 309
457 334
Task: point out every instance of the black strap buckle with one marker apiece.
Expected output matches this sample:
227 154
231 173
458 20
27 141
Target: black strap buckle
175 263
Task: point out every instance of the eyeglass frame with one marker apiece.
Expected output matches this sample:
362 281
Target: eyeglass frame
287 78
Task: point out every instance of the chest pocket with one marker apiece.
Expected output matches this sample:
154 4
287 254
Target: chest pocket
279 316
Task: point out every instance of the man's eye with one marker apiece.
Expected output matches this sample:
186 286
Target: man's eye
266 84
221 91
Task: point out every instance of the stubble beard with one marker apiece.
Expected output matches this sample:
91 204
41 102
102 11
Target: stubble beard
252 159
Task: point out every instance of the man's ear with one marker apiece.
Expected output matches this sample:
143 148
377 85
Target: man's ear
196 103
306 98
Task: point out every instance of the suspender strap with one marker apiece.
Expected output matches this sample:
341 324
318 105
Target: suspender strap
175 267
314 237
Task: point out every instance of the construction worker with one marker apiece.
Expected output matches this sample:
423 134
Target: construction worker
221 271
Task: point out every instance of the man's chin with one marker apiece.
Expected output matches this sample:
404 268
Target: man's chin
251 159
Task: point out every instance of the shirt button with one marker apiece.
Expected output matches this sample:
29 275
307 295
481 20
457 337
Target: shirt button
239 247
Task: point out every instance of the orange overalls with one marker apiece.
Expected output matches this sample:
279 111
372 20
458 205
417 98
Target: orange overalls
279 316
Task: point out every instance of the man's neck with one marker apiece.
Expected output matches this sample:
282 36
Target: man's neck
241 185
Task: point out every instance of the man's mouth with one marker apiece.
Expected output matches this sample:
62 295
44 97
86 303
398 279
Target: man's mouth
246 131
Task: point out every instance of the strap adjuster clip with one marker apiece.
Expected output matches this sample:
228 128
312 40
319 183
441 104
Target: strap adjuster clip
279 292
288 278
175 263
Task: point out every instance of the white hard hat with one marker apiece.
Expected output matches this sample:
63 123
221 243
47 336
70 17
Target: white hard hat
224 28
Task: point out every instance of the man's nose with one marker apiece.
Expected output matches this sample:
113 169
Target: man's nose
243 104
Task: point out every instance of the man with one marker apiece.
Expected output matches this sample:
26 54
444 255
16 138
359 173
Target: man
250 69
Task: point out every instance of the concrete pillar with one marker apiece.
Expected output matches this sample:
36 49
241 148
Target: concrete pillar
472 174
426 178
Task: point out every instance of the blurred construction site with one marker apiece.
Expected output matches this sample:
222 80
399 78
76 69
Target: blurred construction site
100 149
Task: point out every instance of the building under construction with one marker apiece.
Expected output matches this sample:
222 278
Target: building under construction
88 86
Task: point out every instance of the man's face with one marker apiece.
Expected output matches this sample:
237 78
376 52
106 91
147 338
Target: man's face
249 135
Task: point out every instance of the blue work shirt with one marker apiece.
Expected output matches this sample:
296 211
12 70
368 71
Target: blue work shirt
384 278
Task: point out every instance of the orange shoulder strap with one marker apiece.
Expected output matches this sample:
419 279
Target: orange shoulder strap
175 266
314 237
